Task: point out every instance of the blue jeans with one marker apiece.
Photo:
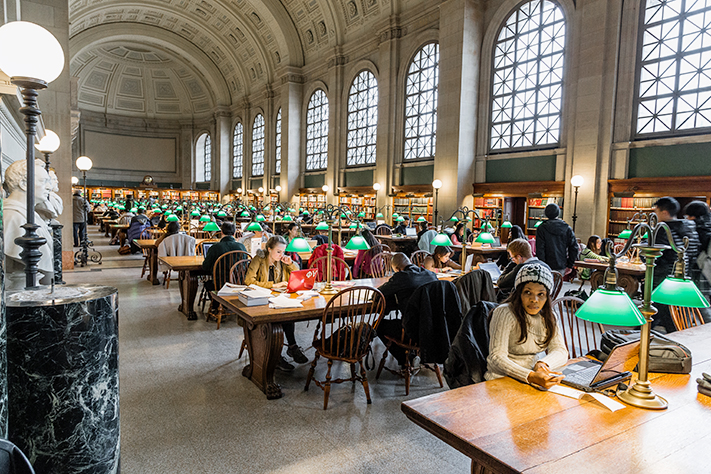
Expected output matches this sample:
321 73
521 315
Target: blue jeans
79 233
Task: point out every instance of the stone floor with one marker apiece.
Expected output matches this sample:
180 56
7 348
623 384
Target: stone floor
186 408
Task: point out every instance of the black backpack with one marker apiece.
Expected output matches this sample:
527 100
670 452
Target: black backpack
665 356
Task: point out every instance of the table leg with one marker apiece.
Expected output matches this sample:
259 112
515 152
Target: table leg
480 468
188 291
628 283
264 344
153 266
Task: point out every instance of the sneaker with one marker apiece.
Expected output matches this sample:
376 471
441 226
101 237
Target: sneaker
284 366
295 353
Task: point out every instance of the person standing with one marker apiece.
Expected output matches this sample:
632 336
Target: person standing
80 208
555 241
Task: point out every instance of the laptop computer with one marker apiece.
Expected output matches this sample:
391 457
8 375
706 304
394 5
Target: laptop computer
411 232
591 375
206 246
493 270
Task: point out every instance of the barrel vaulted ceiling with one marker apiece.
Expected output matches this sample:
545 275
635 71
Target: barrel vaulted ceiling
184 57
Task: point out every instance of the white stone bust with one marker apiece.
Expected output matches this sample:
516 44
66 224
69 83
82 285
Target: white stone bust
15 215
54 206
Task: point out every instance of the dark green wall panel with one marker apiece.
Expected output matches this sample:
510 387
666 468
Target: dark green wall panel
359 178
532 168
418 175
314 180
693 159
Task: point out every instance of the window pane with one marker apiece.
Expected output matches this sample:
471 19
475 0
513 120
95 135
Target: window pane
278 143
674 67
421 89
237 151
203 162
362 120
258 146
317 132
208 159
527 78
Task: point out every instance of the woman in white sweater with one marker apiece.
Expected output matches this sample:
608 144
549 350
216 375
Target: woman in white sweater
523 328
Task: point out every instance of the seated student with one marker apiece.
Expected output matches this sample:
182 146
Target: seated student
139 223
397 291
321 237
292 232
400 229
593 250
424 242
270 268
246 239
514 233
459 235
226 244
361 266
174 244
422 227
441 260
523 328
519 251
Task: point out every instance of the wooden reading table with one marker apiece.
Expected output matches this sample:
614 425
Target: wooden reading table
188 268
630 275
509 427
150 246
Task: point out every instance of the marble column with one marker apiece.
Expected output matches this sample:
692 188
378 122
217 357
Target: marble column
292 95
57 238
63 378
3 338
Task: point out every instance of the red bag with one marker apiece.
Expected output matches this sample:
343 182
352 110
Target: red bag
301 280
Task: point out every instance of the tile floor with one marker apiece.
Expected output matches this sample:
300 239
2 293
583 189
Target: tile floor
185 406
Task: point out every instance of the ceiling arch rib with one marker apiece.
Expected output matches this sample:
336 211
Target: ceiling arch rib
169 42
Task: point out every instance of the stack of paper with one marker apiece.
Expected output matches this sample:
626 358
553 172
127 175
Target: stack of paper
305 295
229 289
607 402
283 302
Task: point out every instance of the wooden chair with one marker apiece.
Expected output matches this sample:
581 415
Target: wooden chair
146 253
344 333
380 265
418 257
221 274
383 229
154 232
685 318
340 270
580 336
199 249
239 271
557 284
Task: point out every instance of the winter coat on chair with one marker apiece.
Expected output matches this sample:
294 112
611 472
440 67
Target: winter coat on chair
322 251
432 318
466 363
473 287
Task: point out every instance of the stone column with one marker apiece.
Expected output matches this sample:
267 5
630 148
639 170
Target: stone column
461 34
292 97
57 240
3 331
336 133
187 162
222 147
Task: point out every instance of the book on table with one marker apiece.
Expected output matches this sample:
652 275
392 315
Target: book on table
254 296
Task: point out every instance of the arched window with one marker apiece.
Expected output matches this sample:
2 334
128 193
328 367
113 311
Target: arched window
527 82
674 89
317 131
203 158
362 120
258 146
237 150
277 167
421 90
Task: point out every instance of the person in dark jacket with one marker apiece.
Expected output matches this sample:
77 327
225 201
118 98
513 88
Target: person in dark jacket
520 253
698 213
667 209
397 291
401 228
555 241
80 208
226 244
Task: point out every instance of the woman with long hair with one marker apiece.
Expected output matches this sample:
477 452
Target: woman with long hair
441 260
361 266
460 233
524 327
592 251
514 233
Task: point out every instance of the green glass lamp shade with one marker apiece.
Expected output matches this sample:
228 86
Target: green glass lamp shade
185 203
205 218
679 292
421 219
287 218
261 218
442 239
611 307
179 208
322 226
485 238
361 215
357 242
379 215
298 244
252 208
400 219
506 225
221 214
454 219
172 218
134 209
348 213
245 214
395 215
195 213
164 206
625 234
121 207
211 227
158 211
537 224
306 211
343 215
254 227
266 208
301 209
352 226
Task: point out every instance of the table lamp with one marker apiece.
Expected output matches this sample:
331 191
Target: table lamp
441 239
299 243
205 218
172 218
254 227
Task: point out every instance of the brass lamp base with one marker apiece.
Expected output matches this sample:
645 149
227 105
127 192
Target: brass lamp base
328 289
641 395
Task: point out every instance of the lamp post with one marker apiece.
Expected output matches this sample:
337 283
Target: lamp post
484 236
31 73
48 145
84 164
576 181
436 184
612 306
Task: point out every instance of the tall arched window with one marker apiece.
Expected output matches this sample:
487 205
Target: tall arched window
277 167
237 150
674 89
258 146
527 82
362 120
421 90
203 158
317 131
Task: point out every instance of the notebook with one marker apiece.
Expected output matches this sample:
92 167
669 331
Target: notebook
301 280
493 270
591 375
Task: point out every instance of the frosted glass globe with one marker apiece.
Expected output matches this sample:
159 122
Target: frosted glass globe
37 53
84 163
49 143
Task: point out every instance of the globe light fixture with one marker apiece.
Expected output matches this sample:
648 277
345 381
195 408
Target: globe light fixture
261 190
75 180
278 188
84 163
376 186
43 66
325 188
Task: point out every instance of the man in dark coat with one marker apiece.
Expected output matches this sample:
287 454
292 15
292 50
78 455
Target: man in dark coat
397 292
555 241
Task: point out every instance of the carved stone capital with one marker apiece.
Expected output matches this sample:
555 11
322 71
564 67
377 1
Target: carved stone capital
337 60
391 33
293 77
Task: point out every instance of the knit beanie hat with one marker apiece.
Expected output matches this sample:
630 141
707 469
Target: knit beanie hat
537 272
552 211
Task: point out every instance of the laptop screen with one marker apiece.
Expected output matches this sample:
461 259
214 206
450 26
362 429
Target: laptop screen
206 246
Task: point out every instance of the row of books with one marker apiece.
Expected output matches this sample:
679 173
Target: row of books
487 202
545 201
633 202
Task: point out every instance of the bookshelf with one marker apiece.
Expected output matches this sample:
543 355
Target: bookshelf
489 207
312 201
109 193
623 208
535 211
359 203
414 206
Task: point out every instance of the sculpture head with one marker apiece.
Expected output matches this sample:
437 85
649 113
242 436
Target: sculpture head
54 180
16 180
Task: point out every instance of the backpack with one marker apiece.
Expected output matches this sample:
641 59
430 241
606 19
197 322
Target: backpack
125 250
665 356
582 294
